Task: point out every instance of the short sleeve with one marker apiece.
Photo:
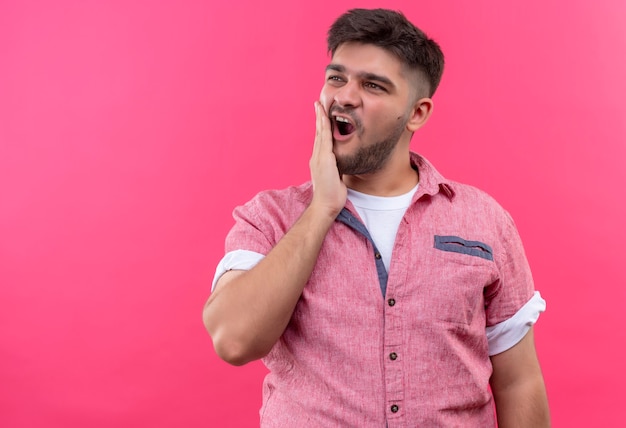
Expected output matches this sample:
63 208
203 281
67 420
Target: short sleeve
514 286
249 231
508 333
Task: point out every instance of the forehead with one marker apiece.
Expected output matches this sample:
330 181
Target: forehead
357 58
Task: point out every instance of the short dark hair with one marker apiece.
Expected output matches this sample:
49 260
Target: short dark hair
391 31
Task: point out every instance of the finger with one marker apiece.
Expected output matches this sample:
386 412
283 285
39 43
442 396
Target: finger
322 132
323 128
318 128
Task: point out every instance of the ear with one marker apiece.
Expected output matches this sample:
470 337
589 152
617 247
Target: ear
419 114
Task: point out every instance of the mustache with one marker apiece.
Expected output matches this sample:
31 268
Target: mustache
346 112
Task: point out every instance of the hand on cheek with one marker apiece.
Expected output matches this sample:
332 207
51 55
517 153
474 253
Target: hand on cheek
329 191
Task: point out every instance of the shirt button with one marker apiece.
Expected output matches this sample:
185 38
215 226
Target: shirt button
394 409
377 255
391 302
393 356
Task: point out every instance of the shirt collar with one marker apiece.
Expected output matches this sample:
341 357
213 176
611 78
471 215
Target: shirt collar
430 180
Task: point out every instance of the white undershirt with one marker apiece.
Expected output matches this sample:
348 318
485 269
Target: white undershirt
381 216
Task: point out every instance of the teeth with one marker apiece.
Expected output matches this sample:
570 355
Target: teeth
341 119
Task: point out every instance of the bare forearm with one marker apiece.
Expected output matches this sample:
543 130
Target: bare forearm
246 316
518 387
523 405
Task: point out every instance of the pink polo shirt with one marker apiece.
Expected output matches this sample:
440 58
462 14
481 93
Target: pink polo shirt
408 347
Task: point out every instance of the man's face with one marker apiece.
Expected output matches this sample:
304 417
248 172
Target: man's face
367 96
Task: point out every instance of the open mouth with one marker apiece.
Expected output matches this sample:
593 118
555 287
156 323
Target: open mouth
343 125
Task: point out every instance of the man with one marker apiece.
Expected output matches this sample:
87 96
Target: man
380 293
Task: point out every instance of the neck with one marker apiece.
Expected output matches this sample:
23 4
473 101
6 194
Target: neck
395 178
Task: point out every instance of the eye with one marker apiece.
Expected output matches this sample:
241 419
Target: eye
374 86
334 78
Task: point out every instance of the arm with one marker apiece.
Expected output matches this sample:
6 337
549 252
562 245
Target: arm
249 310
518 387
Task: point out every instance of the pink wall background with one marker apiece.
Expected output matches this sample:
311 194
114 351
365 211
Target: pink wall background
130 129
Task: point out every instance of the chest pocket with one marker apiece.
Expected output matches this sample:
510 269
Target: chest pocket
457 275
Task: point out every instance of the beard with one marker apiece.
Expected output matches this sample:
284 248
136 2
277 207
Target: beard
371 158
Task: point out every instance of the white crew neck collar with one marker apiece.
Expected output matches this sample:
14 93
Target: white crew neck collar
381 203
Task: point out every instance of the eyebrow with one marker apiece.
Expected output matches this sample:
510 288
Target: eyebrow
363 75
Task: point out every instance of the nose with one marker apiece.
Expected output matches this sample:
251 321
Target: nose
348 95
